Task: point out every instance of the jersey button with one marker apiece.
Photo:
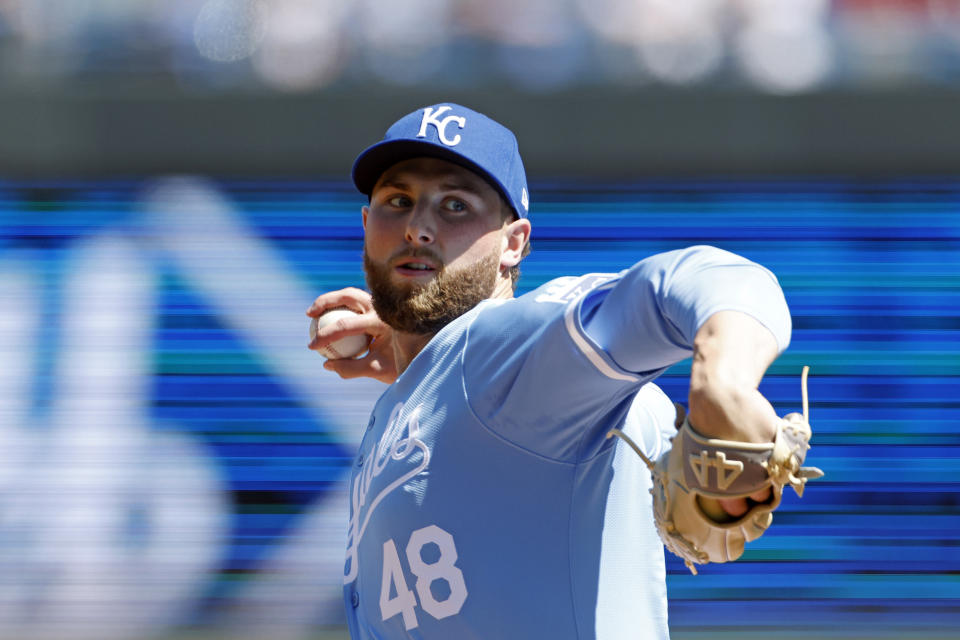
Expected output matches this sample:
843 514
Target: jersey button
355 599
372 420
359 459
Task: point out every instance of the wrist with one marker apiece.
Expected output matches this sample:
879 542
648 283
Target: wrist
718 409
712 407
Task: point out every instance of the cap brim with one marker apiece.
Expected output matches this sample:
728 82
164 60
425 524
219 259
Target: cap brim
370 165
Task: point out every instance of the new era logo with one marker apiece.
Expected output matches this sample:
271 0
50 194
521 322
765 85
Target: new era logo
433 117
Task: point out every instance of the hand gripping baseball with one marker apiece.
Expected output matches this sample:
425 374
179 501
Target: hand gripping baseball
699 469
379 362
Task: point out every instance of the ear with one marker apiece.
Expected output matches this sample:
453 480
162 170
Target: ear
515 236
365 210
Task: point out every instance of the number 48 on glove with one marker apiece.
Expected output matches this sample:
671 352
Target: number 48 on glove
698 470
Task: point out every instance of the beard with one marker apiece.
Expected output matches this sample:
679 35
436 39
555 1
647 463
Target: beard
427 308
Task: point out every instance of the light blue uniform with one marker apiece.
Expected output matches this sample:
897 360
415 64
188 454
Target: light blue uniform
486 501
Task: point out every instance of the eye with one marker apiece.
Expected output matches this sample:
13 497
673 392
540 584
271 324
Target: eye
399 201
454 205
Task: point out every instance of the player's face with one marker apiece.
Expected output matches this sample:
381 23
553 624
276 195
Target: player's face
434 243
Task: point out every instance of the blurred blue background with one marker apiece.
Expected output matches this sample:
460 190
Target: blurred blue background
174 194
174 456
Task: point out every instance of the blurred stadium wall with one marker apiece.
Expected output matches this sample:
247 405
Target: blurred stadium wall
604 88
173 458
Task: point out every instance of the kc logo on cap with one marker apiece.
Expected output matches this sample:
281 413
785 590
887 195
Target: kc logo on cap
431 117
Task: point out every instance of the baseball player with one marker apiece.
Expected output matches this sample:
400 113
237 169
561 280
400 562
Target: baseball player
487 498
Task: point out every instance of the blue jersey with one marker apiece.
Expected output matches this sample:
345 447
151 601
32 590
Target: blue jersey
486 500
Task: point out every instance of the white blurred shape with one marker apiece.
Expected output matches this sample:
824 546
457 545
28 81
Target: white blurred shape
405 41
254 292
21 325
795 11
679 42
386 23
784 47
52 23
615 20
230 30
538 48
785 58
531 23
111 530
107 322
302 47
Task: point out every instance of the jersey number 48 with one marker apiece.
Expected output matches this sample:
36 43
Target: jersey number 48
442 568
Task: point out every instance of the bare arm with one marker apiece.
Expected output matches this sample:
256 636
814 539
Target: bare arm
731 353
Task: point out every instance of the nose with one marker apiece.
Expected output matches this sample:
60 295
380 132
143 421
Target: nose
421 227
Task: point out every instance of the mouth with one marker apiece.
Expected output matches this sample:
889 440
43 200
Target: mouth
414 267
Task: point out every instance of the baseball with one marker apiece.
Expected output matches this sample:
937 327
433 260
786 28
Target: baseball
348 347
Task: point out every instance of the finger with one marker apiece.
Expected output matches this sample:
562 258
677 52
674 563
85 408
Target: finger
735 507
738 506
352 298
367 324
348 368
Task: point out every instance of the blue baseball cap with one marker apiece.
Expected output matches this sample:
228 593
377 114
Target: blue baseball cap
456 134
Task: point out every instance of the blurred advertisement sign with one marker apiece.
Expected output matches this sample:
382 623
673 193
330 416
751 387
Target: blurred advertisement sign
114 523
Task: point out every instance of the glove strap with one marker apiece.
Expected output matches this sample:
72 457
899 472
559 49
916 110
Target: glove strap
723 468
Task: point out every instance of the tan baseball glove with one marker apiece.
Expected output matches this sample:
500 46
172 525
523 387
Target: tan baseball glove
688 479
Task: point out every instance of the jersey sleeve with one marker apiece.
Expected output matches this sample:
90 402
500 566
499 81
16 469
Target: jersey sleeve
649 319
554 370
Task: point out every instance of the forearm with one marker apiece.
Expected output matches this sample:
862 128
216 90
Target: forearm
732 351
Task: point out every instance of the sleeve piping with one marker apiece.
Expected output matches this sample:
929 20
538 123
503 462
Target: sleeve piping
597 356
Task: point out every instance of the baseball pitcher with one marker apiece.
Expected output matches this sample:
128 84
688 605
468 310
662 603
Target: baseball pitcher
488 499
